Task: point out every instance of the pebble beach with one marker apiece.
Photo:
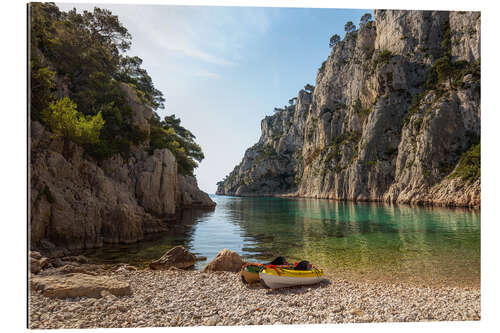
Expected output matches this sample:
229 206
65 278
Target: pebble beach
193 298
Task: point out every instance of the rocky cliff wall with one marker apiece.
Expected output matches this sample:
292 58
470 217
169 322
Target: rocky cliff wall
79 203
380 124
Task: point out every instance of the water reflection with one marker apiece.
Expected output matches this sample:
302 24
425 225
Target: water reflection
430 245
427 244
141 253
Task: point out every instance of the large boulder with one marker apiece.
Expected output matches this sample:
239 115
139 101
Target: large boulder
177 257
226 260
78 285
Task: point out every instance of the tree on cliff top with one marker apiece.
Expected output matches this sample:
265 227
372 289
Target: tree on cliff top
308 87
81 56
365 19
349 27
130 71
77 45
168 133
334 40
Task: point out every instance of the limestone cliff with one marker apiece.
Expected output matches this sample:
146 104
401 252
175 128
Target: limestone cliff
395 107
78 203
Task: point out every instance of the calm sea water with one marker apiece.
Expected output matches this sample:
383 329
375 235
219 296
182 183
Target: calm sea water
351 240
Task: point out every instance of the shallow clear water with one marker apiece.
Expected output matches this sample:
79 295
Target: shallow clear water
362 240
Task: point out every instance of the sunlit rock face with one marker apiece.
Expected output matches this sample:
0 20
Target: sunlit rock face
373 128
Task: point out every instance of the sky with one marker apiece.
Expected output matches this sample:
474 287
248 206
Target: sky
223 69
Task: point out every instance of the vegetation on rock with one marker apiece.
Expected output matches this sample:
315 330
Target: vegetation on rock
349 27
334 40
366 18
168 133
63 119
469 166
77 66
382 58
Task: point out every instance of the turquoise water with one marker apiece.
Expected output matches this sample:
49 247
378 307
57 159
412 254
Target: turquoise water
362 240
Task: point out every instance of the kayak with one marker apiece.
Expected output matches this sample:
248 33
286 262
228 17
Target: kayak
250 271
278 277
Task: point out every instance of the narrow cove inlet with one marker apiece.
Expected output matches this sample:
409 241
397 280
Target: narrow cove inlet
360 201
371 241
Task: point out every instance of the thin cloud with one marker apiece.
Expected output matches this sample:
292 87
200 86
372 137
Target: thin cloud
212 35
173 34
193 52
207 74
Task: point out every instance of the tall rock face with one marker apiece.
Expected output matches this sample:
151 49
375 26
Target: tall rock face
386 121
78 203
269 166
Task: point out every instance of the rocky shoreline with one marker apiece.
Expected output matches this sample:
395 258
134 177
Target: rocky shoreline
193 298
124 296
422 203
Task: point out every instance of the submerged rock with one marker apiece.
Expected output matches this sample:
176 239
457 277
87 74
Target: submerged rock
177 257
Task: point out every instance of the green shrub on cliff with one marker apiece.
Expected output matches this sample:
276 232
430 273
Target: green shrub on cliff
63 119
168 133
382 58
365 19
469 166
42 88
444 69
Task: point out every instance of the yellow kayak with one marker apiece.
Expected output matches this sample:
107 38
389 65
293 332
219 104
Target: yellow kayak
276 277
250 271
